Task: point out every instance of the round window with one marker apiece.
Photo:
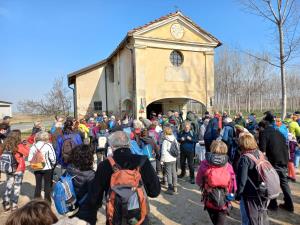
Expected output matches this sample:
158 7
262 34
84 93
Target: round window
176 58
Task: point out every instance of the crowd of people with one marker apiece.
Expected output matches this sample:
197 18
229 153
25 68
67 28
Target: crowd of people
123 161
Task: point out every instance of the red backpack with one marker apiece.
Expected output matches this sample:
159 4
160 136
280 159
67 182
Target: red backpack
218 180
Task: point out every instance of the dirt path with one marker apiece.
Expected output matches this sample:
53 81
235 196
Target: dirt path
184 208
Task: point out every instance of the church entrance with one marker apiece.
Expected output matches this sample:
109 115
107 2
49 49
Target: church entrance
154 107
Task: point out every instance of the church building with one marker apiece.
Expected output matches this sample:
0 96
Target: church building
157 67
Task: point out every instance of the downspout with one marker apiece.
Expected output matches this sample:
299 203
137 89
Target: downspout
105 76
133 81
74 100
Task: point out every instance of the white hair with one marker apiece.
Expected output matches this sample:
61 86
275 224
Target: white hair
119 139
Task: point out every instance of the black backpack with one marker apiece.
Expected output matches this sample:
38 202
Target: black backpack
174 149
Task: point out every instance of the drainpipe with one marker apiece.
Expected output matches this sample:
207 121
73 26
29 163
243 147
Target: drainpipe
74 101
105 76
133 81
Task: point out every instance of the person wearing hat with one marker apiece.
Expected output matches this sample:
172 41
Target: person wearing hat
274 145
239 120
120 143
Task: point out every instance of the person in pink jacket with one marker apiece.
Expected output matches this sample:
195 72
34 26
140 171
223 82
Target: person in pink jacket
217 180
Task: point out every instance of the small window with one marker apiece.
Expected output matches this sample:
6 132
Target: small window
98 106
176 58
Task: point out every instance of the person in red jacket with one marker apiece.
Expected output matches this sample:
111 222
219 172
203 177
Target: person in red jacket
14 180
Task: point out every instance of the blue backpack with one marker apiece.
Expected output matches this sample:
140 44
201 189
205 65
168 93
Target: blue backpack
64 196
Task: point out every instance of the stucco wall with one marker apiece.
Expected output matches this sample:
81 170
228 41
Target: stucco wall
90 87
157 78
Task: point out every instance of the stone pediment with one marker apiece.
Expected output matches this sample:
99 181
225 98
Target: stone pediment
175 28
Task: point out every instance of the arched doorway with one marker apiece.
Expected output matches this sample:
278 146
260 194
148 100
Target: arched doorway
176 104
127 106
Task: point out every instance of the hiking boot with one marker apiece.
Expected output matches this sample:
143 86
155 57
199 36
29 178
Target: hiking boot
285 207
169 191
6 206
192 181
175 191
181 176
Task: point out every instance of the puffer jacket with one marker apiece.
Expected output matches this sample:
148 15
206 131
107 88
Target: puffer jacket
165 149
23 151
218 161
294 128
82 182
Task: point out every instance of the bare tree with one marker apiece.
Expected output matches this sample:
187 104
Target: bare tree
56 102
284 15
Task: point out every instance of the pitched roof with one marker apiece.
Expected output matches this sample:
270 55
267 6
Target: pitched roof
130 33
10 103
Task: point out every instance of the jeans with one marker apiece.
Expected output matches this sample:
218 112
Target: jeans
189 156
282 171
13 188
171 174
245 219
297 157
45 175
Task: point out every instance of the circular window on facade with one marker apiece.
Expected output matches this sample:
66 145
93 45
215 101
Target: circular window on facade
176 58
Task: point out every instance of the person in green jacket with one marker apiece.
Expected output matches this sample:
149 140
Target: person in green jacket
239 120
294 127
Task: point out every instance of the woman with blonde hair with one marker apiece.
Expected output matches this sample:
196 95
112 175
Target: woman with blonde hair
248 181
43 147
169 160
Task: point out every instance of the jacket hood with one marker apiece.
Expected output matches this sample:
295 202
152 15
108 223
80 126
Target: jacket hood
170 137
216 159
80 175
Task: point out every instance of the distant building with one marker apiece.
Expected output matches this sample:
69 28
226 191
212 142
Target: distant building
5 109
160 66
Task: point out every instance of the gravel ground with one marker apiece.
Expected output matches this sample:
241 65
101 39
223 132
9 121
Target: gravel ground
185 208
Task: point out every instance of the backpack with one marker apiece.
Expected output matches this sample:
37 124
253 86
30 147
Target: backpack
102 141
174 149
67 146
64 196
38 161
270 184
217 181
8 162
127 201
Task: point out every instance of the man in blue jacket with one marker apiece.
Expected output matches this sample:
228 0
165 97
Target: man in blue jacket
187 141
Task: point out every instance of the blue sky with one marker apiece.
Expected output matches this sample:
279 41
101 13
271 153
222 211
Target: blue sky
44 39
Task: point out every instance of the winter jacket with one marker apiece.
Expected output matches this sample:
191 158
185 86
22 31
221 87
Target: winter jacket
240 121
294 128
247 169
82 183
22 153
84 129
284 131
228 134
125 159
292 148
218 161
47 151
60 140
165 149
252 125
185 144
211 132
273 143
